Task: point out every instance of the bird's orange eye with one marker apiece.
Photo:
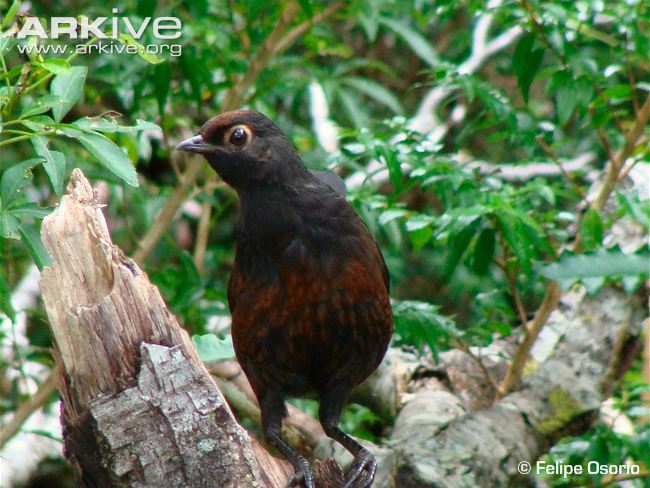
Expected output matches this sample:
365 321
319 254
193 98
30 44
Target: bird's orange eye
238 136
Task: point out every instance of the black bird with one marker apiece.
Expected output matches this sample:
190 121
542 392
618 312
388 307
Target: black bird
309 289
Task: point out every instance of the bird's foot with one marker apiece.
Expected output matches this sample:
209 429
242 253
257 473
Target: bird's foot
302 478
362 472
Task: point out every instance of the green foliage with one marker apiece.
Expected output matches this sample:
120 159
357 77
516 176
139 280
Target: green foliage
67 87
593 269
463 240
419 324
212 348
26 104
526 62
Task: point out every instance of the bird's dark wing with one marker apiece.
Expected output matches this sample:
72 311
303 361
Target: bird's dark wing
334 181
235 284
384 268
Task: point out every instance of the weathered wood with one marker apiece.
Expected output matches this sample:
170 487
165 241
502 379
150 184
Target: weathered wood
139 408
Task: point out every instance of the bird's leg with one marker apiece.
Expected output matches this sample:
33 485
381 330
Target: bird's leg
362 472
273 410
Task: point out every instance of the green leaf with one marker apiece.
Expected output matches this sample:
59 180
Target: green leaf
15 71
593 284
631 283
9 226
532 234
31 237
604 263
16 178
493 99
420 237
210 348
635 208
571 94
368 16
420 323
5 299
38 122
11 13
526 62
111 125
128 40
391 214
107 152
418 43
515 239
39 106
419 221
68 87
484 251
30 209
58 66
54 163
305 5
162 76
189 69
458 243
375 91
591 230
386 154
354 110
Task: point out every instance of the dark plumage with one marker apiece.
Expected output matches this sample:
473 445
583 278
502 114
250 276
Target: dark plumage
309 289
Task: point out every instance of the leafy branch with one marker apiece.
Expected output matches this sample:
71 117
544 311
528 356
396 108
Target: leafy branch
552 294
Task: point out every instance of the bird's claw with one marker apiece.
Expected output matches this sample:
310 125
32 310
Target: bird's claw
362 472
302 478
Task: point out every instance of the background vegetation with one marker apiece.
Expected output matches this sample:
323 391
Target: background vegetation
497 150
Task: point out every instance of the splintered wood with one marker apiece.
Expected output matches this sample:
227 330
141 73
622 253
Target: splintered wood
139 408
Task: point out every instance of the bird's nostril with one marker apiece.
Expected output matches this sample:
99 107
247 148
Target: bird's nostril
193 144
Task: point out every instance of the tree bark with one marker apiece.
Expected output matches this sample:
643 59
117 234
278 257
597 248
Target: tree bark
140 409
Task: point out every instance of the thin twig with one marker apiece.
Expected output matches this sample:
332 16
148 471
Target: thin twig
616 164
631 83
31 405
624 172
516 369
463 346
300 29
512 280
236 94
549 150
605 143
511 276
203 231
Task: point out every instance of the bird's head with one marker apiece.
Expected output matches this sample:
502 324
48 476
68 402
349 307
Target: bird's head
247 150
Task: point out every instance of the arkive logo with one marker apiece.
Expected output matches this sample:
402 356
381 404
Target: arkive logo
115 28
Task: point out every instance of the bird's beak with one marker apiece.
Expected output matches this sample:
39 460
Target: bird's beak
195 144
